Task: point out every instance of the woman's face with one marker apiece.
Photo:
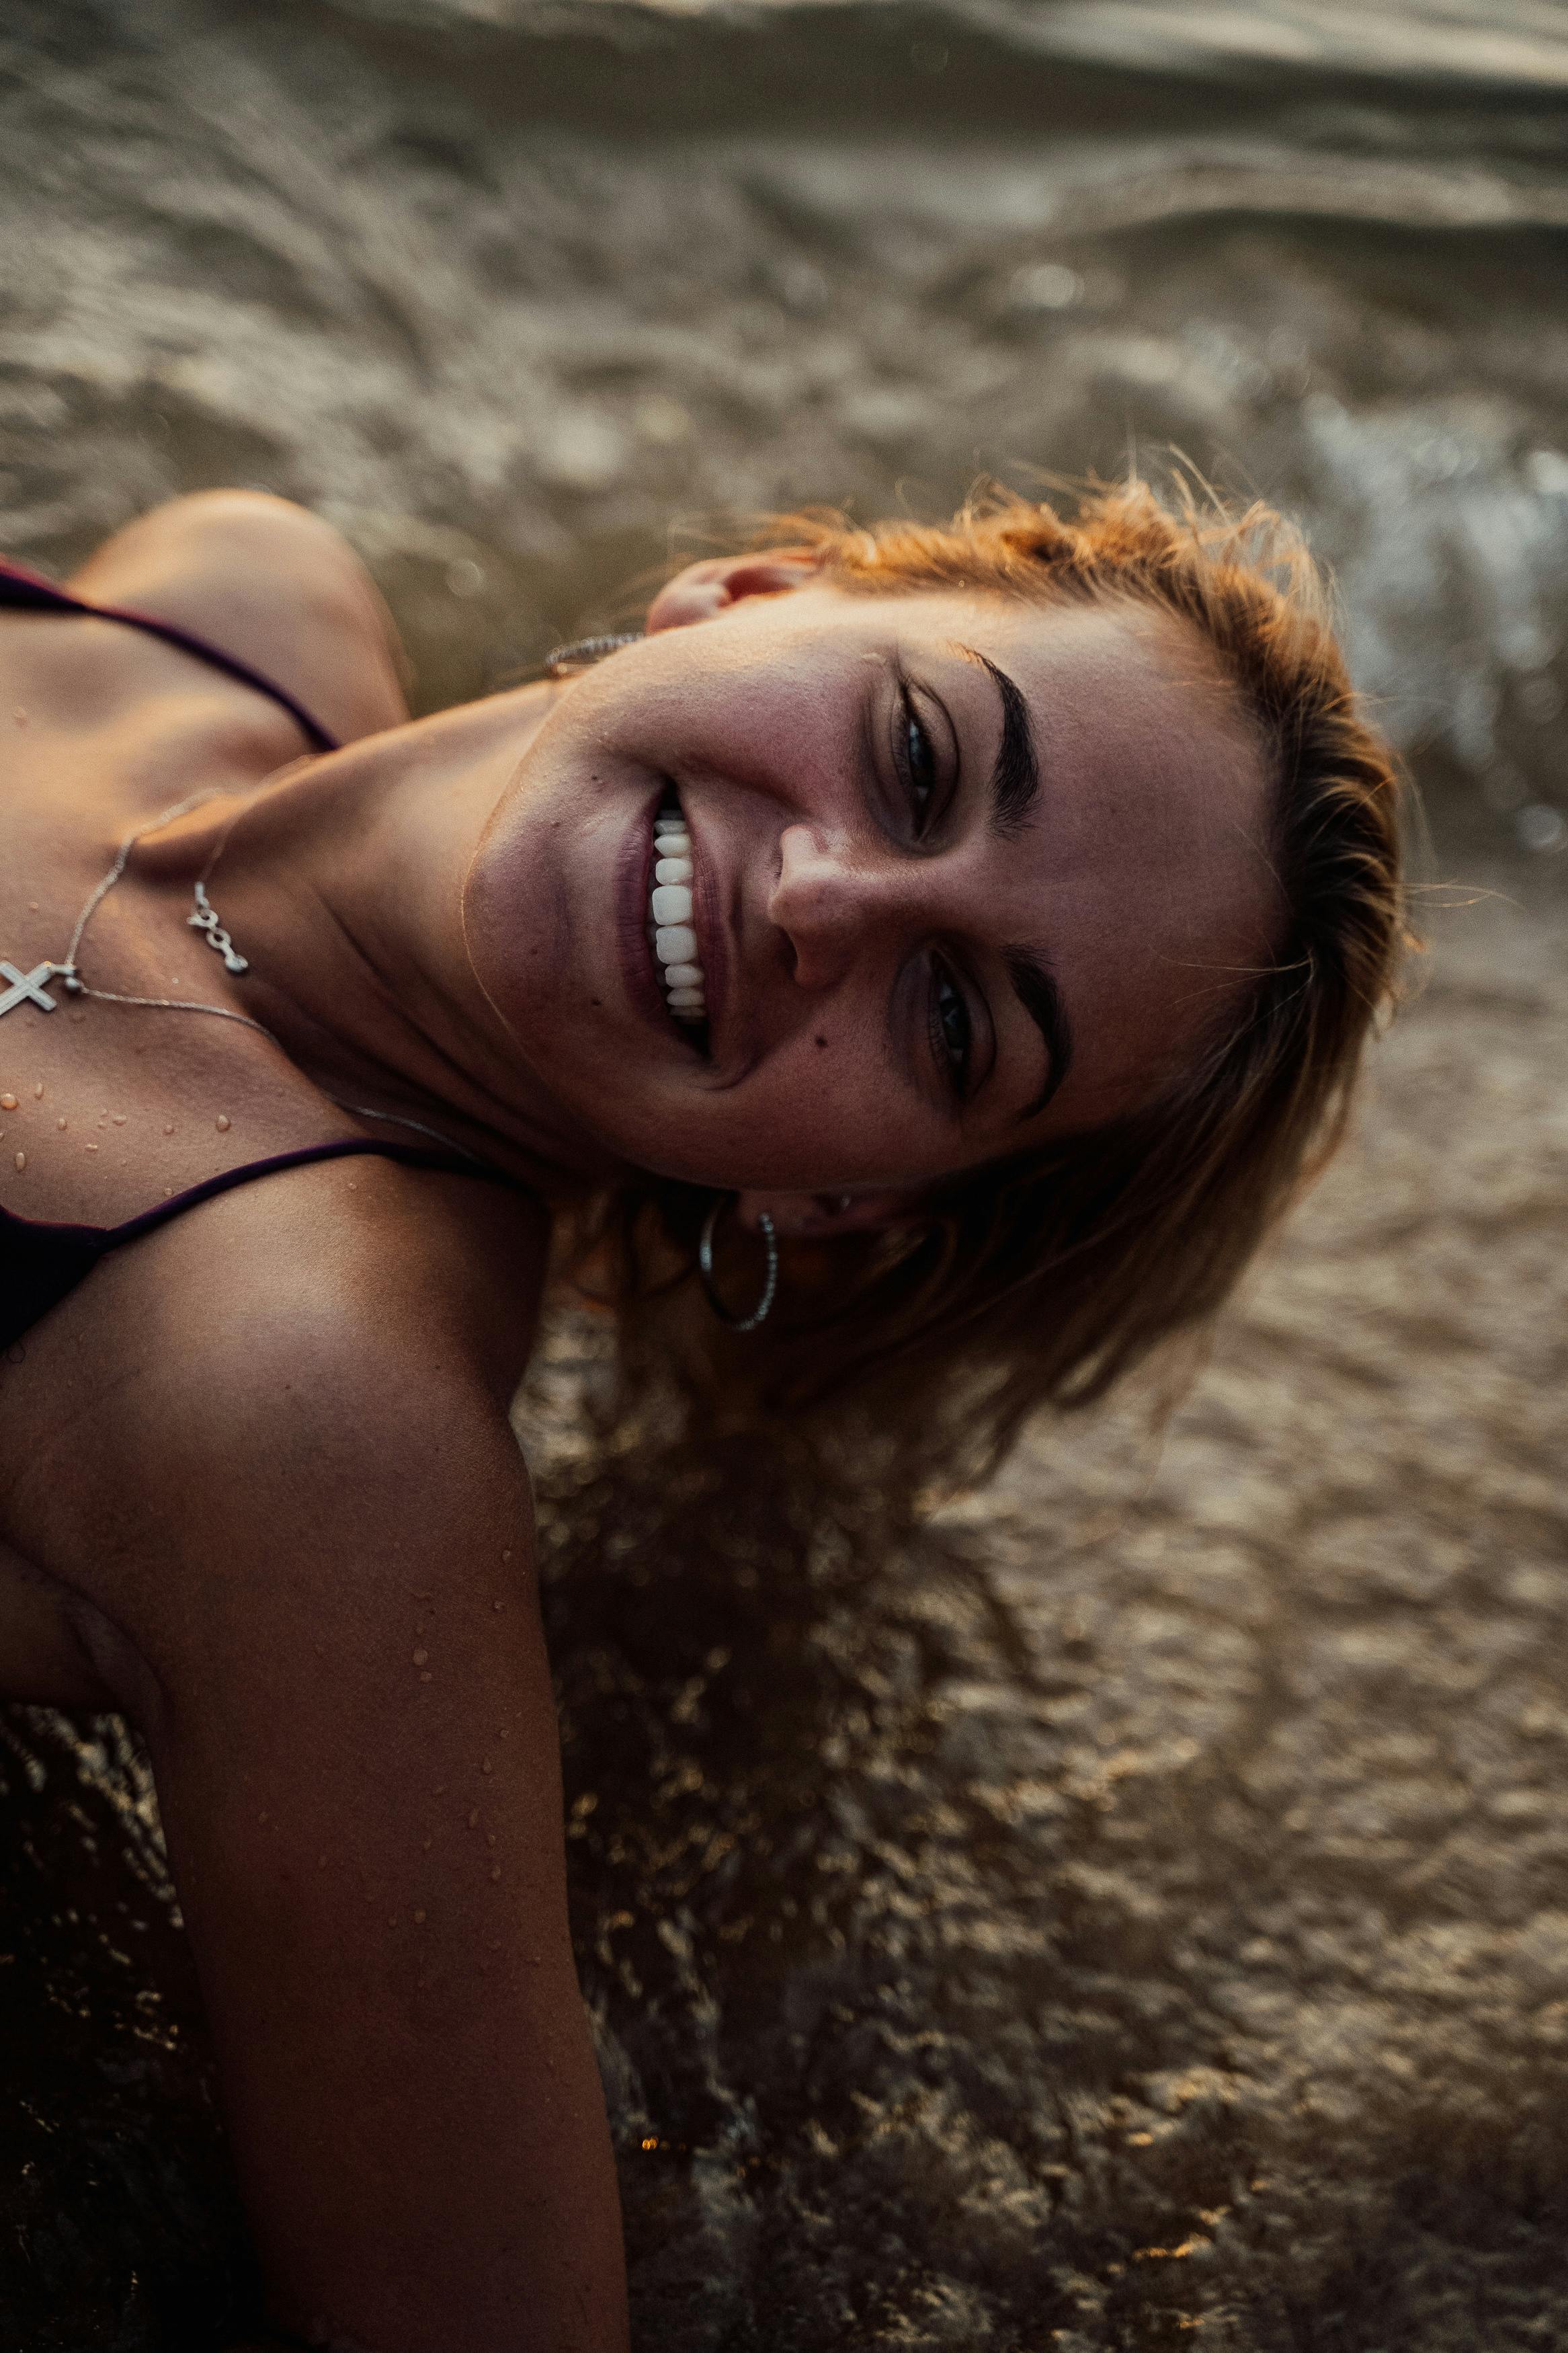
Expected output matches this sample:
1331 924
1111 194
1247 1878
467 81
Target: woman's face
965 873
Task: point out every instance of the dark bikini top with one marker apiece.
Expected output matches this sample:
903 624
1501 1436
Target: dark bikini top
41 1263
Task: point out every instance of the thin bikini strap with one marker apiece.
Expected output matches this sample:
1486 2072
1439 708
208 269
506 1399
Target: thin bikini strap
34 592
412 1155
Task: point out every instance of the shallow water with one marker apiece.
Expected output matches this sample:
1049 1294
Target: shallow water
1134 1904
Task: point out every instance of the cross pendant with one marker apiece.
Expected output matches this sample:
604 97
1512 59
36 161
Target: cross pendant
26 987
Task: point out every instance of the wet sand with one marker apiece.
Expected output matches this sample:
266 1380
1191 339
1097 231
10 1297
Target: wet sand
1129 1911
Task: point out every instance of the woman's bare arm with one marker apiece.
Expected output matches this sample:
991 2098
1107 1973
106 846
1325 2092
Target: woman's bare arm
349 1709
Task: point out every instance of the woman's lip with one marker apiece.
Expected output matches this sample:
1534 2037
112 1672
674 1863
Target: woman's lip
633 879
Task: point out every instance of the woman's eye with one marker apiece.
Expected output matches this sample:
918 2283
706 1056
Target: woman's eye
952 1032
918 761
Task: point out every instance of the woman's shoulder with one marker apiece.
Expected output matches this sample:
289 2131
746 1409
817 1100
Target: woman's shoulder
361 1262
270 584
349 1291
315 1335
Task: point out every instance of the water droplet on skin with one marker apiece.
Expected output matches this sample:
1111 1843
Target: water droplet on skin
222 1123
420 1657
120 1119
21 1163
474 1819
487 1767
32 906
494 1871
39 1091
7 1103
169 1127
419 1919
59 1123
425 1678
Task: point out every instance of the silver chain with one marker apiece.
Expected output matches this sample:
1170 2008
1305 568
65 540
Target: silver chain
205 921
67 970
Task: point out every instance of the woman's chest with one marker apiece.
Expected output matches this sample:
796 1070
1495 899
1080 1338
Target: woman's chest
108 1105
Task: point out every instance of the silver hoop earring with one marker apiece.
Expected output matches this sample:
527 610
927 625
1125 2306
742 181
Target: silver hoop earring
565 661
705 1267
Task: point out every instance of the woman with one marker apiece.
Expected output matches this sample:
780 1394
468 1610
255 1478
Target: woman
969 933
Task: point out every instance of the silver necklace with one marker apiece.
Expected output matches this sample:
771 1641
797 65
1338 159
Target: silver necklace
28 989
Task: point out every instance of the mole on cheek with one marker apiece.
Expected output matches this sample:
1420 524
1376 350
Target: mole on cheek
822 1041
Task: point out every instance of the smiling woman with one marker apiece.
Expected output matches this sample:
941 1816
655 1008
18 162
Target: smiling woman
1087 894
990 916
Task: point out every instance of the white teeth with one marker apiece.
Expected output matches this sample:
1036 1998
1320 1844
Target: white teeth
669 909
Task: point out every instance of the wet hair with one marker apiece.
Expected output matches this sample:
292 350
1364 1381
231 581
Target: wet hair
1042 1279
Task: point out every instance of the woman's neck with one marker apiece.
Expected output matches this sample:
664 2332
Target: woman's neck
342 882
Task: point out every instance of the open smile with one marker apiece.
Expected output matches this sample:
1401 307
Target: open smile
671 915
662 924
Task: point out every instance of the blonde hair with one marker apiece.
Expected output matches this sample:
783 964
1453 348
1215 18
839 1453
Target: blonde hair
1043 1279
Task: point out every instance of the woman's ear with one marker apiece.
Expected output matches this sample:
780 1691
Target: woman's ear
705 588
817 1217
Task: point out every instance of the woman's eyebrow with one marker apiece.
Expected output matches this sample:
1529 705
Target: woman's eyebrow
1016 779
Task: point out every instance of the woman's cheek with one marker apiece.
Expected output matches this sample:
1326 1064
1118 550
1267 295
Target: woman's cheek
823 1122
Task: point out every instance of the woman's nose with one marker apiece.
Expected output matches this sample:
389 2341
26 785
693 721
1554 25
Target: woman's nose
828 904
